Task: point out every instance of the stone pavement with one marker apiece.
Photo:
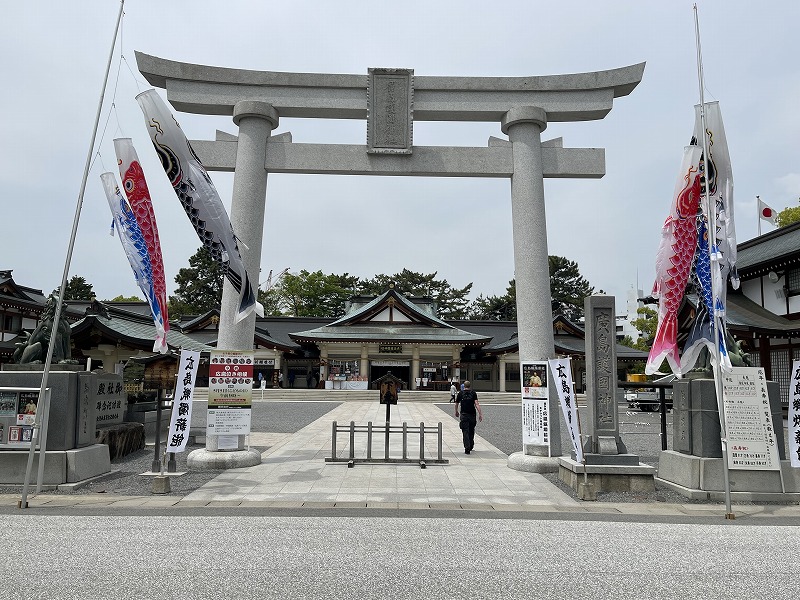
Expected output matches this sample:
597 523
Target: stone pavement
294 475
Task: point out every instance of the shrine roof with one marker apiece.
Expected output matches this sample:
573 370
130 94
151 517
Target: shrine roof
745 315
764 253
391 317
133 330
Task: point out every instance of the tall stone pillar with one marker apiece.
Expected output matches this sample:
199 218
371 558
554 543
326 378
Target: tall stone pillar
256 120
524 126
502 373
364 365
414 366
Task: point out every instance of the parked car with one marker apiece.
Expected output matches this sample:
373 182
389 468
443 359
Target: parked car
649 399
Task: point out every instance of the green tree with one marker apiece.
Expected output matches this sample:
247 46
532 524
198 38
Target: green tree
77 289
647 323
568 288
271 301
452 302
122 298
496 308
788 216
307 294
199 286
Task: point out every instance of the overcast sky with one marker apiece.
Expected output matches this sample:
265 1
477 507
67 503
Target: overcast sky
54 55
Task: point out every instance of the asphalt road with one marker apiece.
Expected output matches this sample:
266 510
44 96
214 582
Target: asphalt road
155 557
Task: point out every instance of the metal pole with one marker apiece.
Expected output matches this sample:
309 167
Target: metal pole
352 439
386 436
421 441
60 301
663 409
440 441
369 440
156 466
333 441
758 214
712 249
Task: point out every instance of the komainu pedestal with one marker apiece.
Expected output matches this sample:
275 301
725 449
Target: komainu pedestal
694 466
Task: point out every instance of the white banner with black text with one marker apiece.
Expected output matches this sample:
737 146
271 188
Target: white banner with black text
181 419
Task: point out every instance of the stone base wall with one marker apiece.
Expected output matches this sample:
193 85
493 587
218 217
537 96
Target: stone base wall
122 439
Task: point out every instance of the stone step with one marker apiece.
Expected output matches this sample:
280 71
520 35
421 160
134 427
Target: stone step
297 395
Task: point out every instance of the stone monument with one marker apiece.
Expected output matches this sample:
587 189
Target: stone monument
607 464
72 452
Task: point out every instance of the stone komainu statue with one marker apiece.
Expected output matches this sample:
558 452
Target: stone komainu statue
34 349
737 352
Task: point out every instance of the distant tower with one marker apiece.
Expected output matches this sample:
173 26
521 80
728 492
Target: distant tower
625 322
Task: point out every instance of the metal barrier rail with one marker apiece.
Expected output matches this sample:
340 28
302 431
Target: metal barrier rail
386 430
662 404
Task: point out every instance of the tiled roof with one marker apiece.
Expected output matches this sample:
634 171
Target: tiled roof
424 326
758 255
567 344
743 313
396 332
135 331
423 313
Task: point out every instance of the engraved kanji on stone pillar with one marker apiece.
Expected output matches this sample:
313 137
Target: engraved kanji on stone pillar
390 101
601 377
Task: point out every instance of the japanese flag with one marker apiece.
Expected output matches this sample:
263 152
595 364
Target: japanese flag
765 212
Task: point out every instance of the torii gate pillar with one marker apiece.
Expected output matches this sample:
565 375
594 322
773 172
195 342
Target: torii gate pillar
524 126
256 120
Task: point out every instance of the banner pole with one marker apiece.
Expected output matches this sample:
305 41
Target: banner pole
758 214
23 503
711 212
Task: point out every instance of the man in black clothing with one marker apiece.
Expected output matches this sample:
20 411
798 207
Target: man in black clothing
470 409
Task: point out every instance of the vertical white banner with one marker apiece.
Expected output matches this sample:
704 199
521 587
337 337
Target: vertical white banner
562 380
535 409
794 415
181 420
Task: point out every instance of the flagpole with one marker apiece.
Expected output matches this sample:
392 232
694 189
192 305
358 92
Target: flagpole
714 258
758 214
60 301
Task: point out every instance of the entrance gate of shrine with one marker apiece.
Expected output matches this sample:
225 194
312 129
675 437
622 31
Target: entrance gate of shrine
390 100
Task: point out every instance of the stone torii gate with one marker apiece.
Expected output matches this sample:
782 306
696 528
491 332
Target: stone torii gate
391 100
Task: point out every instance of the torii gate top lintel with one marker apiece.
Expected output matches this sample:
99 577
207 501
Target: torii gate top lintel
212 90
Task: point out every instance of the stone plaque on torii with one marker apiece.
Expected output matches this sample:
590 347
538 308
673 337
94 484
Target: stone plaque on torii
390 100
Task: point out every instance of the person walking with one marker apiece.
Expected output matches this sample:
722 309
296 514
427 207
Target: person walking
453 391
470 409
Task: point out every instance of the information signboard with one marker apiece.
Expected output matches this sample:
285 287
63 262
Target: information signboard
535 409
230 393
748 421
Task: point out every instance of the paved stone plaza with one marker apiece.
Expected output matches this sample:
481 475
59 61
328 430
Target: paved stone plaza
294 475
